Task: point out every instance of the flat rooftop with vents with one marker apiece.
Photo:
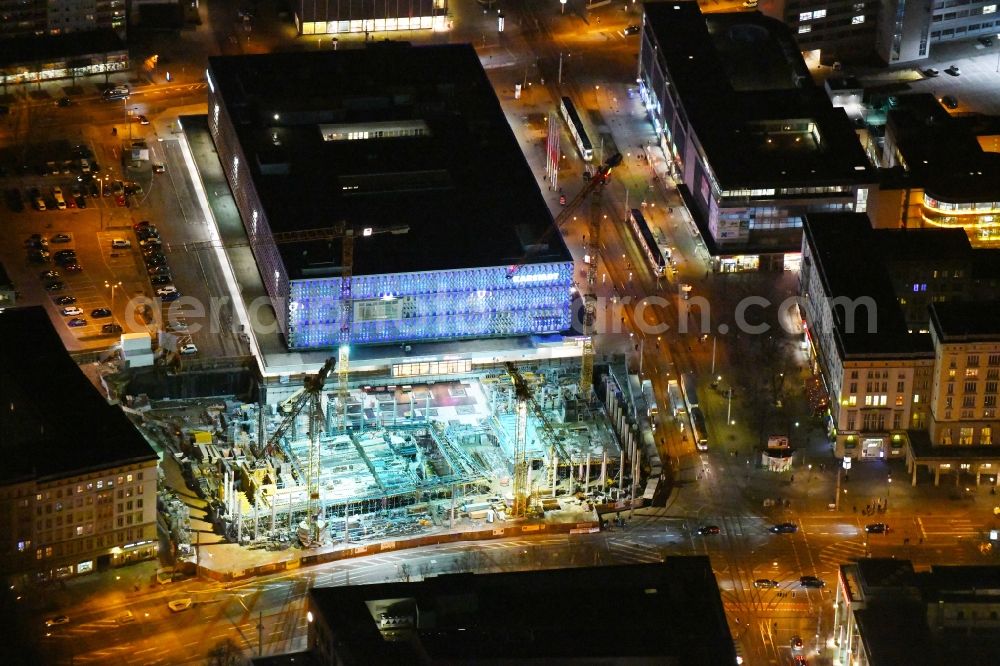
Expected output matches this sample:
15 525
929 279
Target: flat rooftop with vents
408 149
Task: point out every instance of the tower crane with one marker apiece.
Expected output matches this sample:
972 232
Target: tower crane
309 398
596 182
594 186
525 399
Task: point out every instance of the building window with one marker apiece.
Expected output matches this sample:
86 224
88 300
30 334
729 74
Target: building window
819 13
971 373
852 401
986 436
946 436
989 9
854 387
857 20
807 16
897 420
900 387
970 387
852 418
993 359
803 29
965 436
968 401
973 361
899 400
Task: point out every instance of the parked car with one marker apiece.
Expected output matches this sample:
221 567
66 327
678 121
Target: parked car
931 72
57 620
66 300
77 322
100 313
188 349
954 70
631 30
49 275
38 256
159 270
707 529
166 290
71 311
785 528
60 238
73 267
140 225
159 167
986 40
876 528
64 102
111 329
120 244
158 280
950 101
54 286
765 584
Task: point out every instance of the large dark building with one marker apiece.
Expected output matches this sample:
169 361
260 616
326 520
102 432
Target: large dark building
391 138
755 144
665 613
78 480
887 614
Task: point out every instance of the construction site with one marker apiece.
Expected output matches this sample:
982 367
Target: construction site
330 465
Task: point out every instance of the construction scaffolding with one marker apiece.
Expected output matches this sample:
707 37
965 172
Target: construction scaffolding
400 459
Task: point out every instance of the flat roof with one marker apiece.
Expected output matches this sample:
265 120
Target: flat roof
966 321
43 48
54 422
942 152
751 100
552 616
852 264
386 135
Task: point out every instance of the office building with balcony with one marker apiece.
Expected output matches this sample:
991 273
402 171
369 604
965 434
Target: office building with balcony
326 17
78 480
755 144
391 139
886 613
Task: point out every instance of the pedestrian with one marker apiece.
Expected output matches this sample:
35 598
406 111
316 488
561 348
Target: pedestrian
855 508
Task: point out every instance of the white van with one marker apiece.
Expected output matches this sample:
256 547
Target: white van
120 244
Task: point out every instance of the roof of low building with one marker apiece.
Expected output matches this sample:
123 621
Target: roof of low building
965 321
551 616
750 98
45 48
852 266
388 135
54 422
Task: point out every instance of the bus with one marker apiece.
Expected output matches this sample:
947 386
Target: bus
700 432
647 243
650 397
572 118
677 408
690 390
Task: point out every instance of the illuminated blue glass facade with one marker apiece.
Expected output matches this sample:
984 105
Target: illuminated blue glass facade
436 305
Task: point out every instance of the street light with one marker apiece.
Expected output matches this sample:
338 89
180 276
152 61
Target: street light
112 286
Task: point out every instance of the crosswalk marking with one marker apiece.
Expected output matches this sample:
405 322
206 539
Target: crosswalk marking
842 552
946 526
